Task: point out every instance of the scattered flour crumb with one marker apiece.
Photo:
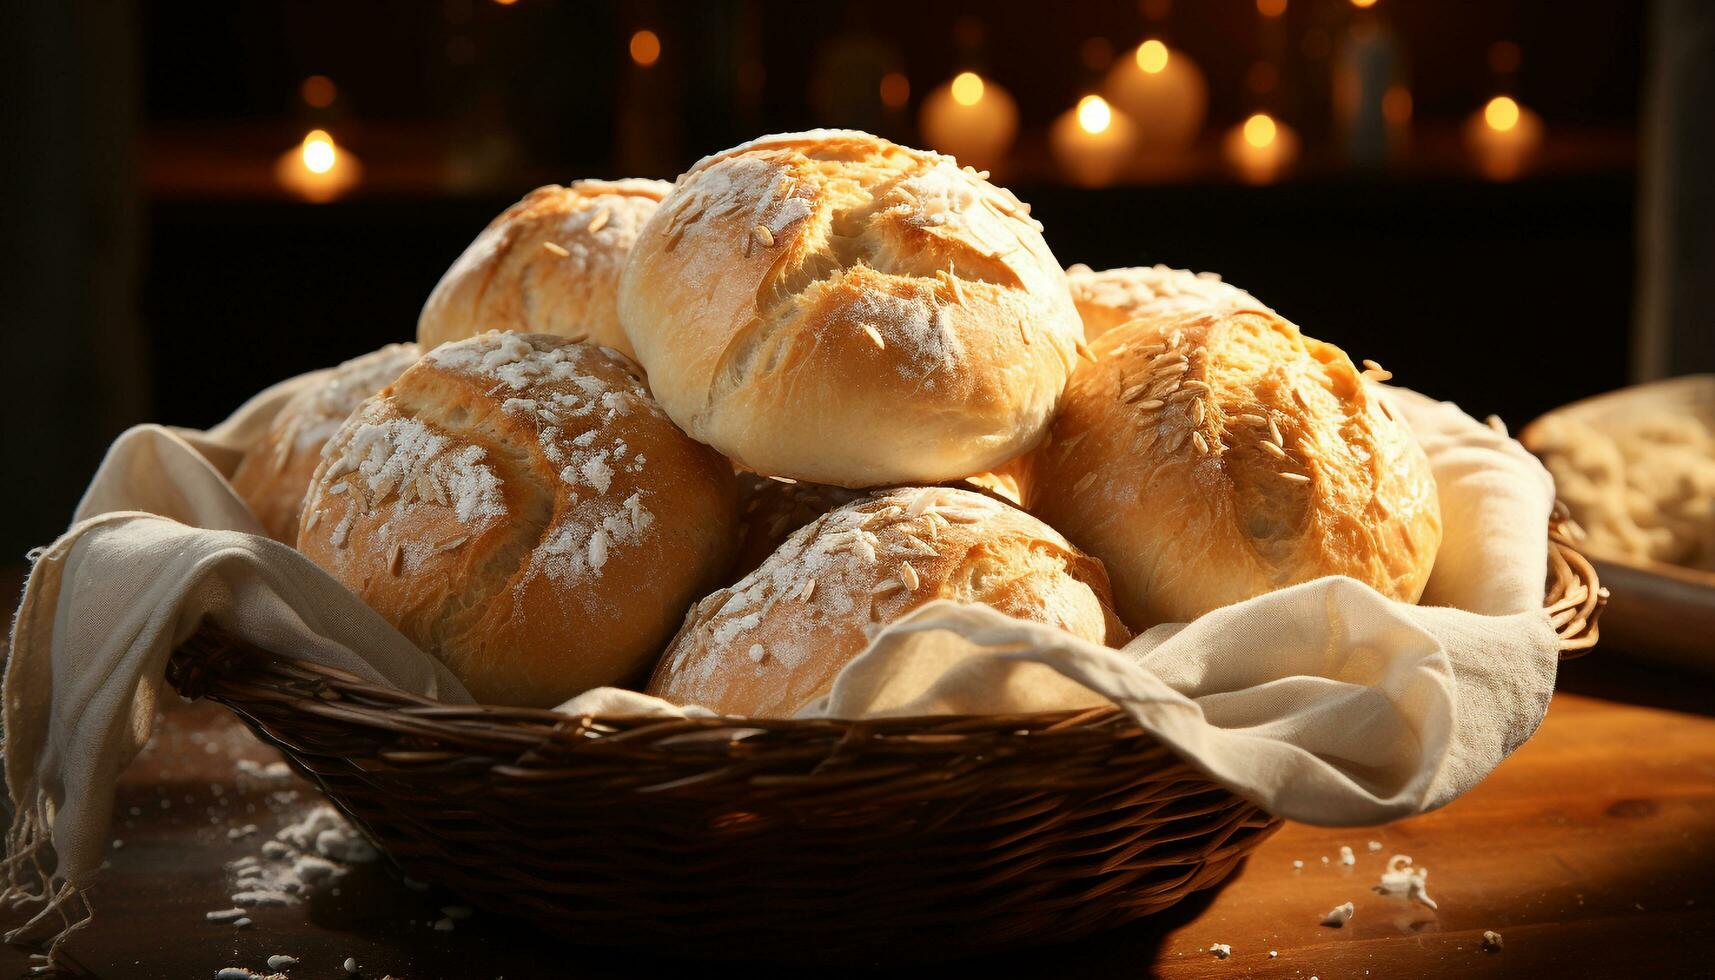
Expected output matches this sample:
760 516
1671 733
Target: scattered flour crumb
224 915
1346 855
1375 846
279 961
1491 941
1221 950
1401 878
1339 915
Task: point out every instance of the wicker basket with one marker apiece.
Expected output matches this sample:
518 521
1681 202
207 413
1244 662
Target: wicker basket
786 840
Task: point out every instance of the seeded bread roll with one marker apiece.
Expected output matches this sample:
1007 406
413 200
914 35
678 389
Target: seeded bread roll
1109 298
274 475
518 506
1208 458
773 642
832 307
548 264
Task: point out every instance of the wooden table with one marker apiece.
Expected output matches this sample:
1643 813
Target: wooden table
1591 851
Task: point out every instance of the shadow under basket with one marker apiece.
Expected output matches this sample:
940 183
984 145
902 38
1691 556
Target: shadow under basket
778 840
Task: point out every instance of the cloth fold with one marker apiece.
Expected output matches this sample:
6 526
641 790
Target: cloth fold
1324 703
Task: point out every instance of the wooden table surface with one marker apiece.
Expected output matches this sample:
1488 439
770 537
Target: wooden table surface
1591 851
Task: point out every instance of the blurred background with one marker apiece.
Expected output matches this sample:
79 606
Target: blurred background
1507 203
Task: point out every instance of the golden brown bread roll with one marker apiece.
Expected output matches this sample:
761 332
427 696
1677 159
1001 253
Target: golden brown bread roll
832 307
1207 459
548 264
1110 297
518 506
773 642
275 473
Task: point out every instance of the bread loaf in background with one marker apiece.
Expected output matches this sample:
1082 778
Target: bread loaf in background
1110 297
518 506
773 642
275 473
548 264
1209 458
833 307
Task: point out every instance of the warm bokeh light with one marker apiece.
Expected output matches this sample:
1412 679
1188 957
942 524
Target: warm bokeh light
1261 148
971 118
1163 93
318 91
1363 4
1501 113
1260 130
967 88
1152 56
895 90
317 169
1396 105
645 48
1094 116
1093 142
505 3
1271 8
318 152
1503 138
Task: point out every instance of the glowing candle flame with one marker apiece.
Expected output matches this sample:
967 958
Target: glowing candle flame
1094 115
1152 56
1259 130
968 88
1501 113
318 152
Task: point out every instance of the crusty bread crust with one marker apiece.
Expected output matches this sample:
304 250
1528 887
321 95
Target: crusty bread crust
835 308
548 264
275 473
519 506
1209 458
771 643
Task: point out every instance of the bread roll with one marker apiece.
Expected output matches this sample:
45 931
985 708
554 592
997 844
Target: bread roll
1109 298
1209 458
548 264
519 507
275 473
832 307
773 642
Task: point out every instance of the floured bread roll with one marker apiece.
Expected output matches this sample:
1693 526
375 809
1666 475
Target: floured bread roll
773 642
1207 459
548 264
518 506
1109 298
832 307
275 474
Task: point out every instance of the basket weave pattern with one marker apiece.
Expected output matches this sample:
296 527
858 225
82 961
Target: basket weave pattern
790 840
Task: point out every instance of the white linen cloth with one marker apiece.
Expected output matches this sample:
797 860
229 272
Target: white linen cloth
1324 703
